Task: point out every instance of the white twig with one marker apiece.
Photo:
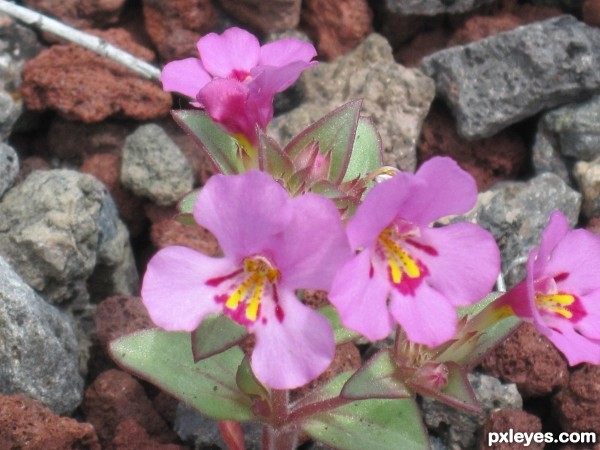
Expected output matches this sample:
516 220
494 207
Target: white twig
93 43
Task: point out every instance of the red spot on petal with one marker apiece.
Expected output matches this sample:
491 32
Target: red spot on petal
426 248
264 320
221 298
279 313
371 271
561 277
214 282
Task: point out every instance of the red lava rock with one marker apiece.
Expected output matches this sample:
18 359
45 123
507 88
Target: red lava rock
274 15
501 420
80 13
479 27
424 44
528 359
71 141
172 232
174 26
31 164
336 27
130 435
489 160
116 396
26 424
106 168
590 11
83 86
577 406
166 405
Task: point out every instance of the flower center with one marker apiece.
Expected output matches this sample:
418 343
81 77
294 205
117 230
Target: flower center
565 305
240 75
243 297
402 267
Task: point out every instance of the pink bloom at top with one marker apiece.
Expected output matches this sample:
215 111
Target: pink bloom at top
235 78
561 293
405 270
272 245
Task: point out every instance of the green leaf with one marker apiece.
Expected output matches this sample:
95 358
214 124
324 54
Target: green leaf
221 148
165 359
272 159
216 333
186 204
366 424
248 383
457 392
342 335
366 153
333 133
377 378
476 308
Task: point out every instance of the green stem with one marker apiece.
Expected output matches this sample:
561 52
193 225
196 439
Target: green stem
279 435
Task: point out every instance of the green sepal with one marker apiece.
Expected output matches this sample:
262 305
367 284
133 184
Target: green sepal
165 360
342 334
376 424
457 392
248 383
185 208
366 153
272 159
215 334
333 134
220 147
377 378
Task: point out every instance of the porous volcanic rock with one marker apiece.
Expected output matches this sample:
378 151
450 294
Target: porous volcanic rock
274 15
130 435
80 13
26 424
81 85
529 360
577 406
502 420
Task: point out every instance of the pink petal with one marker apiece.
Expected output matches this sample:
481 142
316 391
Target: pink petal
555 231
291 352
174 289
361 298
313 246
575 347
467 262
186 76
589 325
234 50
578 255
226 103
379 208
286 51
448 190
244 212
428 318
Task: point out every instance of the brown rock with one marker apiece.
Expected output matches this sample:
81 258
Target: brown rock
106 168
30 164
501 420
590 12
83 86
172 232
72 141
174 26
80 13
116 396
424 44
265 17
489 160
26 424
166 405
130 435
479 27
528 359
577 407
336 26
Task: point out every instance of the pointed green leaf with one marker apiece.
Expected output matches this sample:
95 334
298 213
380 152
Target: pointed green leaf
457 392
216 333
476 308
375 424
333 133
366 153
165 359
377 378
342 335
221 148
272 159
186 204
248 383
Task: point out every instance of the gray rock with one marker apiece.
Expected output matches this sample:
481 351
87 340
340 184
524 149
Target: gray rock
154 166
588 178
9 167
10 111
460 430
55 227
546 156
38 350
499 80
432 7
202 433
517 212
396 98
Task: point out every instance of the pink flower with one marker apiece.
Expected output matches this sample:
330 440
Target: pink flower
235 78
272 245
405 270
561 293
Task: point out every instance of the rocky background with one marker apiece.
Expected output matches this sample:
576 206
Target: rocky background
91 165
